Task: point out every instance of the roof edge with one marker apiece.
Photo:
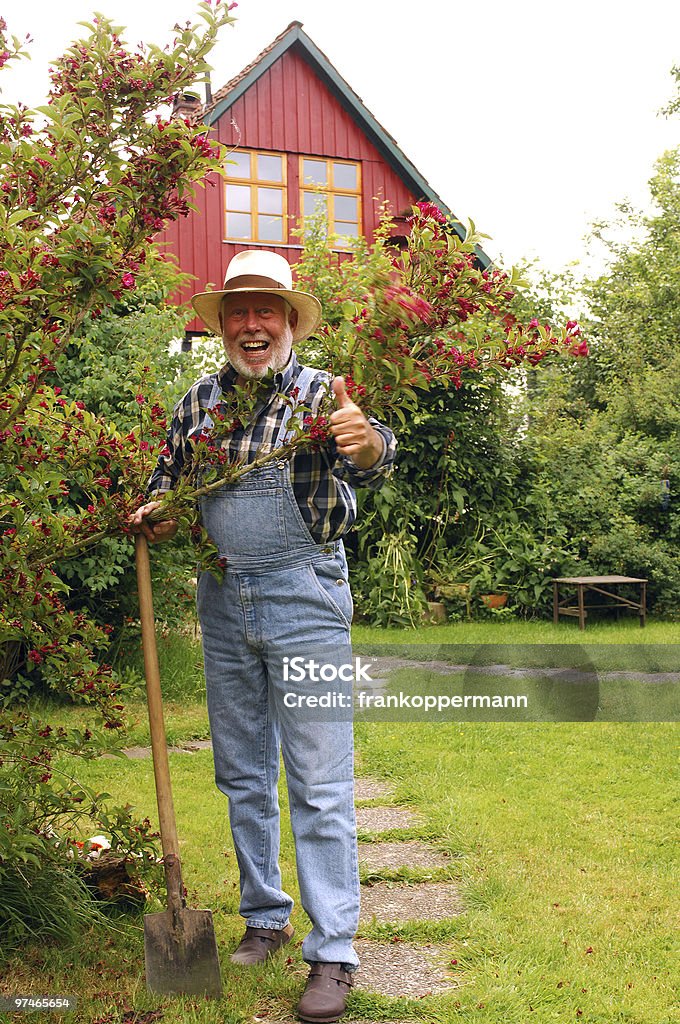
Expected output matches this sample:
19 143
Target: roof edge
353 103
255 70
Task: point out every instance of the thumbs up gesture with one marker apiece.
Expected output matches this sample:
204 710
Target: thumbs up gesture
354 435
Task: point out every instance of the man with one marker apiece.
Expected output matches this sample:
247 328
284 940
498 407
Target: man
279 530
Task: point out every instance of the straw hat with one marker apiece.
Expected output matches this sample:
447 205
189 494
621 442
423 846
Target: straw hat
258 270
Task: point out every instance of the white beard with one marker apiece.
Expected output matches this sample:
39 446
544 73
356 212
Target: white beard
277 355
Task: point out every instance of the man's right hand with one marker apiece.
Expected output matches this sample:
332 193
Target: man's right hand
154 532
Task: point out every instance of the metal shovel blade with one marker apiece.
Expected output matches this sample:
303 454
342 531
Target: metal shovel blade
180 952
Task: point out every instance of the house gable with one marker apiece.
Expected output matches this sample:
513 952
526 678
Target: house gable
317 125
327 120
296 40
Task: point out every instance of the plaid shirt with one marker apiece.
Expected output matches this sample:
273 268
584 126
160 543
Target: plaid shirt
323 481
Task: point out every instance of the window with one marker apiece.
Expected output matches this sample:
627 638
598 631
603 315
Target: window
333 186
256 197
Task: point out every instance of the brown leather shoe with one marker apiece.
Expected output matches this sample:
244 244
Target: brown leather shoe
258 944
325 995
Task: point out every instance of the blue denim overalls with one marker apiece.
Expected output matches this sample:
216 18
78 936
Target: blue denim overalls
280 589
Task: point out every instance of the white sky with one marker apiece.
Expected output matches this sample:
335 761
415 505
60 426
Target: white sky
533 118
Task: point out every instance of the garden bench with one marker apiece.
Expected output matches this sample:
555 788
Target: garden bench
600 585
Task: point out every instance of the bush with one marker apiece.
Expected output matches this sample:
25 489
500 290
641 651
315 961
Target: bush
43 812
127 351
456 466
88 179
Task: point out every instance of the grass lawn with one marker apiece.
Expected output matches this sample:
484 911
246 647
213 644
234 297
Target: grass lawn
563 838
540 631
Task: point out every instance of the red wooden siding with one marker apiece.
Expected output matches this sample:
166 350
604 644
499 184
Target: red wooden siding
288 109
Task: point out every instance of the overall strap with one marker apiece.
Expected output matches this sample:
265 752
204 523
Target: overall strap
303 383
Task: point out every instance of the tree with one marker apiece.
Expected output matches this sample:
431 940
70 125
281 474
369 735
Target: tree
635 304
86 180
607 433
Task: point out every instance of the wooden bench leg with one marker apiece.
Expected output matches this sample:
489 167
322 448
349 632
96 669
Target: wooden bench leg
581 608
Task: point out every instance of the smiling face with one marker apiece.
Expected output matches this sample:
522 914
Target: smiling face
257 332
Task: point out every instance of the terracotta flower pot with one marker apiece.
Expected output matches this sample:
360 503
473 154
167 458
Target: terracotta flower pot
494 600
436 612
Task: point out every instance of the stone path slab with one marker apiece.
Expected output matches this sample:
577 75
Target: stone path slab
430 901
371 789
137 753
381 819
409 854
402 969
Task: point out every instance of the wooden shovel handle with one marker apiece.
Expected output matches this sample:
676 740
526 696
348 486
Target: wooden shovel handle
159 749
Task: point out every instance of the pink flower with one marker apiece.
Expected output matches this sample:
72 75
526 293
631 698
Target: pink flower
106 214
317 427
430 210
128 280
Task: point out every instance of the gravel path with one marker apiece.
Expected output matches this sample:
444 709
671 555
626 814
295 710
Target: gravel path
403 969
392 856
382 819
427 901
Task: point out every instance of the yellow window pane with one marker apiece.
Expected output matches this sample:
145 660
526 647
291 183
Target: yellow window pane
314 172
346 208
269 168
270 200
270 229
238 225
313 201
238 197
345 176
238 165
344 230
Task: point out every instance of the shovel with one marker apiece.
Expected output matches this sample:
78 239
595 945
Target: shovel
180 950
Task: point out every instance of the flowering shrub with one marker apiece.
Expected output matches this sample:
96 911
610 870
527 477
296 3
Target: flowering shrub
426 315
87 180
440 365
396 324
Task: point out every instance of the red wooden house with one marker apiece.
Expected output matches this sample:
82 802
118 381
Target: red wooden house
299 137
